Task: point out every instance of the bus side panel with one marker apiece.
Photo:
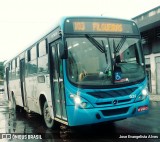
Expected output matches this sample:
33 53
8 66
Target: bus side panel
43 88
15 88
31 90
12 91
35 87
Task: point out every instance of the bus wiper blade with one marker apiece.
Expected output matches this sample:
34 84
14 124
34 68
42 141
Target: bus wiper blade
95 43
120 44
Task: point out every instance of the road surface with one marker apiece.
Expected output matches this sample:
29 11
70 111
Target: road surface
24 127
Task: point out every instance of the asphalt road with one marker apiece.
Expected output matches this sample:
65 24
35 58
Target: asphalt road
25 127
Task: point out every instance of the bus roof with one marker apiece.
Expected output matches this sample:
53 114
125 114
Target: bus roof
61 26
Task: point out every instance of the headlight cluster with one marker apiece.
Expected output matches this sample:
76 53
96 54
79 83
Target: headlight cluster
143 94
80 102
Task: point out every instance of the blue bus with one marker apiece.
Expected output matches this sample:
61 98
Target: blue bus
87 70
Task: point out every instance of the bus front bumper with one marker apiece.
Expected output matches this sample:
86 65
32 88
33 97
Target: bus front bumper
78 116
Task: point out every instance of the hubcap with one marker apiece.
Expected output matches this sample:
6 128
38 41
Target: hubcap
47 115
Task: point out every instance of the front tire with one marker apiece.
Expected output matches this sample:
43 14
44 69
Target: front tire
47 117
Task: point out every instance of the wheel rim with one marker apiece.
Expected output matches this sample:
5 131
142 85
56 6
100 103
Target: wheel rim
47 117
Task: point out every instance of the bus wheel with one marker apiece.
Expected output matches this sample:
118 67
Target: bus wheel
47 117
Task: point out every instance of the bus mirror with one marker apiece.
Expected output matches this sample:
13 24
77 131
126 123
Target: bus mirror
62 51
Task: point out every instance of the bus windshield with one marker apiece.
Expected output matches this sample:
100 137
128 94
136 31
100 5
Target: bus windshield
97 60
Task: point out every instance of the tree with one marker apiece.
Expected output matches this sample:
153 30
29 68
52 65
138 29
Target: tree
1 70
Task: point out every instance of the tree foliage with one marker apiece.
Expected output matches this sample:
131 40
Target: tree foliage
1 70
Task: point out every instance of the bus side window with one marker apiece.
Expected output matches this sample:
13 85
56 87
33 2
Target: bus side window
17 67
32 64
13 69
42 57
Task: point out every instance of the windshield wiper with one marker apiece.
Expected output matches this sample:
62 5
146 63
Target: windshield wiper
95 43
120 44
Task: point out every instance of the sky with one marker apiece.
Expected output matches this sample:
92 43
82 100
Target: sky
23 22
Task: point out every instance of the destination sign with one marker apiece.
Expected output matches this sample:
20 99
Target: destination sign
97 27
100 25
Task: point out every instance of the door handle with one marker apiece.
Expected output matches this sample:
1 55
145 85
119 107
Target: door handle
56 80
60 80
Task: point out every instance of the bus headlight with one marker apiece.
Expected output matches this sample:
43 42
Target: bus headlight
144 93
80 102
77 100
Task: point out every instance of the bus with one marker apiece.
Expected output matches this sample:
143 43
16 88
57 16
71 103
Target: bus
87 70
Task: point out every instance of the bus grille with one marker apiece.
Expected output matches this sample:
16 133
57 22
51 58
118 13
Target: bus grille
111 102
115 111
112 93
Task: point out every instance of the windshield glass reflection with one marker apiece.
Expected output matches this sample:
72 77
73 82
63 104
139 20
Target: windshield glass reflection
104 61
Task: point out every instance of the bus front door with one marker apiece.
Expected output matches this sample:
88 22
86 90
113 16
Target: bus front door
57 83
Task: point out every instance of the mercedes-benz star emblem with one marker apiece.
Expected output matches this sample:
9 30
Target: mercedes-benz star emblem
115 102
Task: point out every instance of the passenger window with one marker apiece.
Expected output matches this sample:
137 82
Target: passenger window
13 70
43 58
17 68
32 58
33 53
42 48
